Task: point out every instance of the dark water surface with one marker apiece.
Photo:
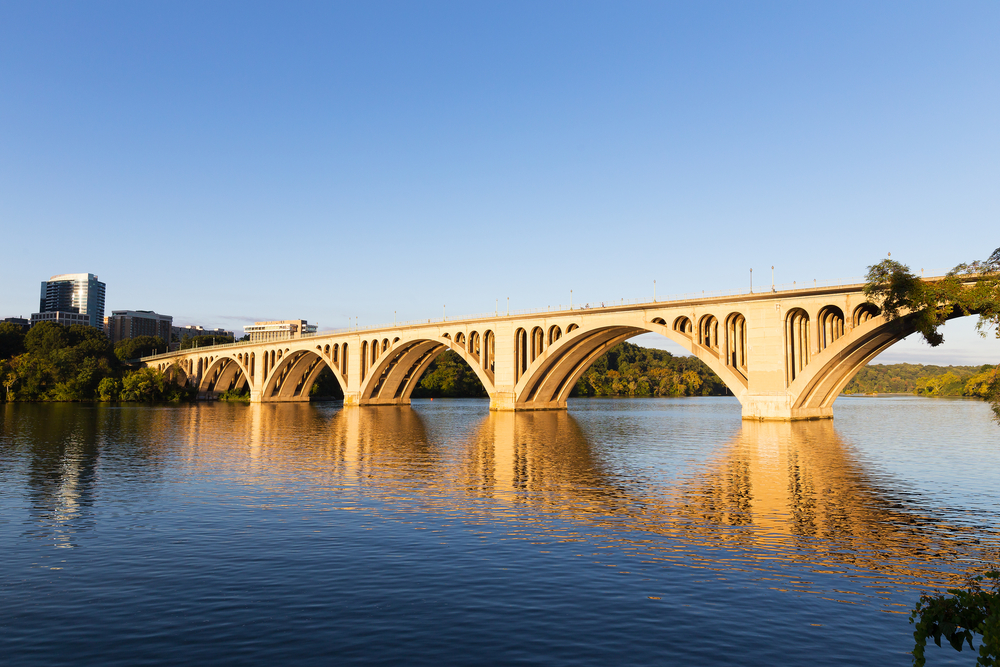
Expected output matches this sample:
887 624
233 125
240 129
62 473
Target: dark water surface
622 532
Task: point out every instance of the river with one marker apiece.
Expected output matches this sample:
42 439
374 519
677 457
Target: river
643 531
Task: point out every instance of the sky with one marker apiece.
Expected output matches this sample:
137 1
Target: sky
359 162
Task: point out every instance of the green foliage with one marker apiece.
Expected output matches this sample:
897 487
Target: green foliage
326 386
138 347
968 289
202 341
960 616
148 385
626 370
235 395
109 389
11 340
46 337
916 379
630 370
78 363
59 364
449 376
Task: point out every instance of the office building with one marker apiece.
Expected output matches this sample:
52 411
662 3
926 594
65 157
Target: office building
125 324
261 332
72 293
61 317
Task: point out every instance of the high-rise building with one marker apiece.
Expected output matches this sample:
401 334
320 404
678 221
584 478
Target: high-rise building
80 293
125 324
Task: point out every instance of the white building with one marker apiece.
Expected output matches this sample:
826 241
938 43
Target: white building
261 332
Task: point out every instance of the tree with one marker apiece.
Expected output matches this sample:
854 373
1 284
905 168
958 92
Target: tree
11 340
45 338
967 612
140 346
968 289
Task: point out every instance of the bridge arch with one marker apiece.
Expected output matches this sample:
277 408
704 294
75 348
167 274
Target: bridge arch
293 376
222 373
549 380
392 380
820 383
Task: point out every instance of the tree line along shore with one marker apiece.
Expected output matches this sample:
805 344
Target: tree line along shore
52 362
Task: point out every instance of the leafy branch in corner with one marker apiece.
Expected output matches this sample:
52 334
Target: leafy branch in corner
960 616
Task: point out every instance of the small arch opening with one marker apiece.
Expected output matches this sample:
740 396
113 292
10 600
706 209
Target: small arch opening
796 342
520 353
537 342
831 326
555 333
865 312
708 333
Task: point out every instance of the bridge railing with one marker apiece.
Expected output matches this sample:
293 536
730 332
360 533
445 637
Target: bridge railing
588 305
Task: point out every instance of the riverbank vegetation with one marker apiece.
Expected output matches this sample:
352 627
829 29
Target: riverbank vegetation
630 370
52 362
972 381
626 370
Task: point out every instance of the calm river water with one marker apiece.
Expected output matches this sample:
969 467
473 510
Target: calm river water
622 532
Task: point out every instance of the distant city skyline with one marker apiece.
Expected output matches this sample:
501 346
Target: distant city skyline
228 163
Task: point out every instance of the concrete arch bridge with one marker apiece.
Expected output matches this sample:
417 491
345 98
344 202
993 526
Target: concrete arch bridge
785 355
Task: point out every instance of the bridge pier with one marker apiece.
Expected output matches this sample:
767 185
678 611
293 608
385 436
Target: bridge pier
779 407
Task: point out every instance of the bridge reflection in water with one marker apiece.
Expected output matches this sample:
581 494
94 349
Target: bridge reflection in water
776 493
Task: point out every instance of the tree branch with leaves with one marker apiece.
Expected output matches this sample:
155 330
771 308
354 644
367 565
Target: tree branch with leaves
925 305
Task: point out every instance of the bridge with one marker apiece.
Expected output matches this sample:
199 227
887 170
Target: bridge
786 355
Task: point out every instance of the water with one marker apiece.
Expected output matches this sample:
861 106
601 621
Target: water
622 532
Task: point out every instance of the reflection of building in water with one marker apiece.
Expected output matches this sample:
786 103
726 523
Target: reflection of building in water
63 453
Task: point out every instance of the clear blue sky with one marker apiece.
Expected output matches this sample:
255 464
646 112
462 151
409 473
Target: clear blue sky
226 162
